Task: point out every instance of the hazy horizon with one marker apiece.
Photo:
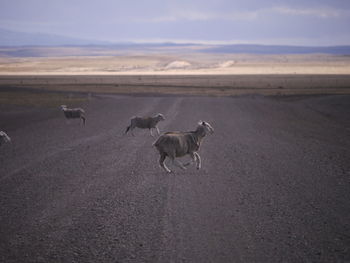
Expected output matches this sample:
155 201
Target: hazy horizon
294 23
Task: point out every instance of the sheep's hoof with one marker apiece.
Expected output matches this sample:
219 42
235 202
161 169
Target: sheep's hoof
166 169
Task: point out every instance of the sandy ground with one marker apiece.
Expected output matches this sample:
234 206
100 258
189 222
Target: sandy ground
189 73
176 64
274 186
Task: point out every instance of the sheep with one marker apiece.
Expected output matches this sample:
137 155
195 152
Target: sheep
179 144
145 123
73 113
4 138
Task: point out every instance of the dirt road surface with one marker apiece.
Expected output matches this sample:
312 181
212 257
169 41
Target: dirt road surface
274 184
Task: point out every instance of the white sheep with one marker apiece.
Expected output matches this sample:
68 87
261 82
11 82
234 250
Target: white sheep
145 123
178 144
74 113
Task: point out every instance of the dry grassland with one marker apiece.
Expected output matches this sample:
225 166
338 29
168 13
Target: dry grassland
185 74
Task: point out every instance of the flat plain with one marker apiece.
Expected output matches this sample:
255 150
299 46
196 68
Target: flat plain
183 71
274 184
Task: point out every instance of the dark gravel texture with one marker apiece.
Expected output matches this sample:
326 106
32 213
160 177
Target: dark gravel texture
274 184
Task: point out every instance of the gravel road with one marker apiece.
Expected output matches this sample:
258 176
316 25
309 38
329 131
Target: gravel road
274 184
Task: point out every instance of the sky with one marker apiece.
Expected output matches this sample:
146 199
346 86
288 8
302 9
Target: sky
284 22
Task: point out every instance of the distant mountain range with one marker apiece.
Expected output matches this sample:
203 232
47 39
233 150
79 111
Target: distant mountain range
11 39
272 49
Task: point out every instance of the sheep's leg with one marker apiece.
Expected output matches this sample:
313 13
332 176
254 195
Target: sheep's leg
132 130
83 119
150 131
193 159
177 163
198 160
157 130
162 164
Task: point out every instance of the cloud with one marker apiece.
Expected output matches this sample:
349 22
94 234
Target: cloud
312 12
189 15
183 15
244 15
324 12
196 15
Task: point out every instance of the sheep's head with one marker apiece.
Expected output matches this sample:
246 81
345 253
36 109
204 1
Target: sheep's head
207 127
160 117
63 107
